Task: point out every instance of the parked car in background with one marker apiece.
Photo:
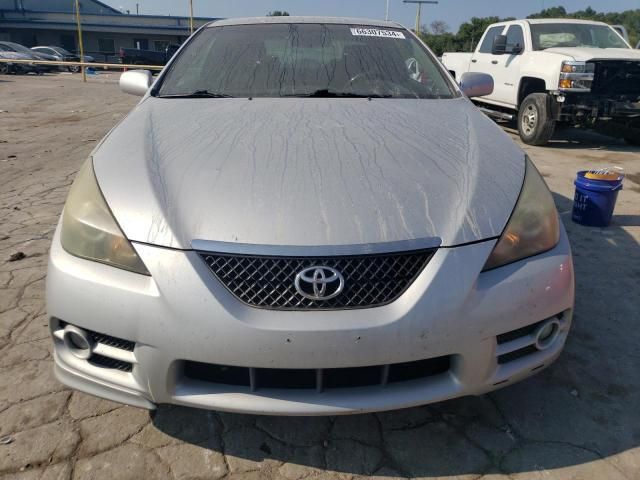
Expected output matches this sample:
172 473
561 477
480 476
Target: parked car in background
134 56
557 72
61 51
6 68
63 55
30 54
333 228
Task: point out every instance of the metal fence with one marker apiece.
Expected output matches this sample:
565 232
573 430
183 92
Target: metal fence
117 66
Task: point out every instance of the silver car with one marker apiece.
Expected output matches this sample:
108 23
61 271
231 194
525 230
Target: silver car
294 222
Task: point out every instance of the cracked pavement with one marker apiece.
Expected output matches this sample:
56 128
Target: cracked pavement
579 419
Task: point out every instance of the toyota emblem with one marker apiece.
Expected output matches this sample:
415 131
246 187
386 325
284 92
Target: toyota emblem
319 283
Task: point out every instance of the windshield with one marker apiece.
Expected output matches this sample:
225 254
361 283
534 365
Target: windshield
61 50
551 35
276 60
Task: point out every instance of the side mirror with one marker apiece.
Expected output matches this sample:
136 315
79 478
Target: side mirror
136 82
499 46
476 84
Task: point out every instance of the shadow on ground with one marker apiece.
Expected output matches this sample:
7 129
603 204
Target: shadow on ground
575 138
582 409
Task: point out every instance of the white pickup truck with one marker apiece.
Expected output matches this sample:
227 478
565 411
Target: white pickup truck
548 72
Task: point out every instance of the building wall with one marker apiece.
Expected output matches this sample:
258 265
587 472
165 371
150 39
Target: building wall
105 31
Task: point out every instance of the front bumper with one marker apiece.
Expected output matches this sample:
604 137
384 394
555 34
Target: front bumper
182 313
587 108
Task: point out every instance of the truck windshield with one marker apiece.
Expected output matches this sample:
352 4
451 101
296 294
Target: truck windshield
306 60
552 35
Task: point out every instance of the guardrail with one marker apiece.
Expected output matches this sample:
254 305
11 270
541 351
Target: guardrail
82 64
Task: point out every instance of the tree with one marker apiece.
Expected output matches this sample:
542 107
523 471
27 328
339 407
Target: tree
553 12
441 43
439 27
278 13
471 32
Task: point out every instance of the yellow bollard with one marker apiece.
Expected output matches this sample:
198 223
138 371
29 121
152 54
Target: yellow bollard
84 73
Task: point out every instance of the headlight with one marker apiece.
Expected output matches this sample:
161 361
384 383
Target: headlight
576 76
533 227
89 229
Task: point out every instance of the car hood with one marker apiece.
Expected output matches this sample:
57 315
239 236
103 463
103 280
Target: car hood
586 54
308 172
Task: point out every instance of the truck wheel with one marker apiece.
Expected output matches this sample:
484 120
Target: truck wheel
535 125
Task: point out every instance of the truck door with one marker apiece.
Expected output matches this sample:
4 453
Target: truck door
483 61
507 79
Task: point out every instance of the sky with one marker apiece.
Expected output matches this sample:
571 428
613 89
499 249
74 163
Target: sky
453 12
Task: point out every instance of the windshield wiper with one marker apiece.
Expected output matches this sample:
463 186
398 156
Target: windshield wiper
325 93
197 94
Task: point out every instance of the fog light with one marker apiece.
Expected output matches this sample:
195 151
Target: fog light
547 334
78 342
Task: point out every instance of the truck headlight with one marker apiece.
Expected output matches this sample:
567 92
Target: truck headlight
89 229
533 227
576 76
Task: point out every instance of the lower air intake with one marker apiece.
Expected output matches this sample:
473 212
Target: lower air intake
319 379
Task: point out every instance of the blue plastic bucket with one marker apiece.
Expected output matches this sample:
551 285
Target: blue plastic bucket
595 200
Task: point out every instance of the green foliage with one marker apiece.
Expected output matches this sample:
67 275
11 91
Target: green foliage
278 13
465 40
471 32
553 12
446 42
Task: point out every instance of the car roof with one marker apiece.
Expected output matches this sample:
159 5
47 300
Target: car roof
563 20
292 19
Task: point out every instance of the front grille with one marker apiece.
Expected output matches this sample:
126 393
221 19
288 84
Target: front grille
319 379
617 77
268 282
